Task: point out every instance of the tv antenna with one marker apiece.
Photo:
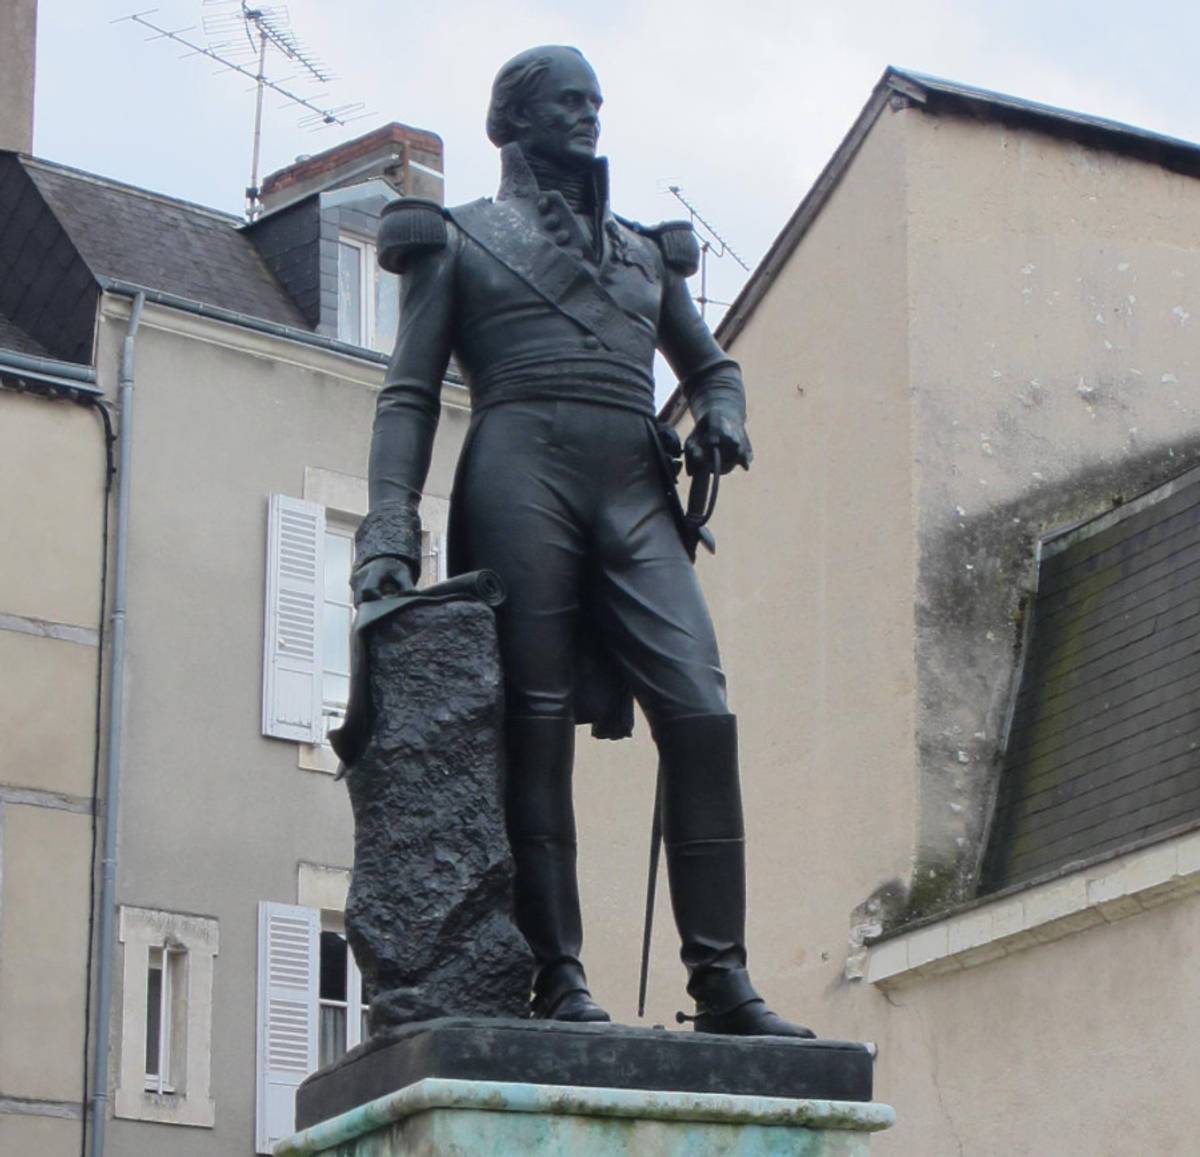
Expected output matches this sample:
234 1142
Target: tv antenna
710 241
238 40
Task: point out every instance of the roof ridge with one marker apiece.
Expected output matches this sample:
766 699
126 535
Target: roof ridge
125 187
1036 108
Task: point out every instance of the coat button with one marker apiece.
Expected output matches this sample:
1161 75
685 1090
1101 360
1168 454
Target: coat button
553 220
562 237
543 203
591 342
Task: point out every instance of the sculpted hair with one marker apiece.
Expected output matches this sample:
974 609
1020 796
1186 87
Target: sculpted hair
514 84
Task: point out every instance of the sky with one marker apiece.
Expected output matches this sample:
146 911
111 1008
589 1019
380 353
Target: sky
740 104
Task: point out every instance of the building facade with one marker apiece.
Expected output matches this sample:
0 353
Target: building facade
956 608
973 390
227 373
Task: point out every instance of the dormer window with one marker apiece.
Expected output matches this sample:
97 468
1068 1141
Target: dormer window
368 298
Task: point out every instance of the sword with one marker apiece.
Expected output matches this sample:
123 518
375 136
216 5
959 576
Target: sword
651 888
702 495
702 501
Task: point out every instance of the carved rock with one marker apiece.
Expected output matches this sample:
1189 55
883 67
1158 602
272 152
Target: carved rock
429 911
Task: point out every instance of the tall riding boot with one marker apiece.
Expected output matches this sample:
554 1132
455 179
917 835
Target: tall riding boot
541 833
706 866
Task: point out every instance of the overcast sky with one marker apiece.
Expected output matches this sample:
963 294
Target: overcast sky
739 103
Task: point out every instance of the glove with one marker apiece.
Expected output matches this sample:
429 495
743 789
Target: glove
725 430
381 578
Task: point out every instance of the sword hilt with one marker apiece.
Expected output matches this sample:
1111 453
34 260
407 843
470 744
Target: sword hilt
702 496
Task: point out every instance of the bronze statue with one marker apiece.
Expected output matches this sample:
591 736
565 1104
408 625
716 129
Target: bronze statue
553 308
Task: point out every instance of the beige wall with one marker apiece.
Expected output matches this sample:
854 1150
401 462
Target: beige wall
45 1136
18 42
52 456
43 944
940 317
1085 1047
52 463
48 689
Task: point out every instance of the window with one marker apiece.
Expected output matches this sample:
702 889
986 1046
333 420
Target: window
338 616
310 1007
166 1020
341 1016
166 984
368 297
306 660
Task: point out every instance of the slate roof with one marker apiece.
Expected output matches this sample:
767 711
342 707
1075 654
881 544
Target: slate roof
163 243
13 337
1104 747
46 290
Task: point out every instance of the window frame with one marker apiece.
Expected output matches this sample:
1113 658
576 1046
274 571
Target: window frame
366 310
172 964
370 281
187 945
344 502
334 923
339 527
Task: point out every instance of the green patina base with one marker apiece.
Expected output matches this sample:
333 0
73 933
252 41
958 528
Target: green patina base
439 1117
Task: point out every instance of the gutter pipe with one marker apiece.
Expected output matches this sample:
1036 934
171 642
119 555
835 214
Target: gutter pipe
244 320
50 371
259 325
112 784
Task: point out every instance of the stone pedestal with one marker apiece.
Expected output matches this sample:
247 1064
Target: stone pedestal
429 914
510 1089
441 1118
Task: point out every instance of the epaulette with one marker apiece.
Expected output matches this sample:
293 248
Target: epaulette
409 227
677 240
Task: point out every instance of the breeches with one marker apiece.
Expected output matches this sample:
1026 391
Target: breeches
566 501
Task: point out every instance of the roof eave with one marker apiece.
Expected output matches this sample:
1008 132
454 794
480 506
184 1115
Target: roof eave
916 88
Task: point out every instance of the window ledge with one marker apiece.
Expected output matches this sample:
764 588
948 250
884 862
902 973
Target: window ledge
317 757
165 1108
1100 894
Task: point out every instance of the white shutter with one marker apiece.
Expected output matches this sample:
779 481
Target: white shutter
288 978
295 598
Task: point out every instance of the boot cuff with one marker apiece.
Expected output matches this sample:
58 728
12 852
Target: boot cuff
718 991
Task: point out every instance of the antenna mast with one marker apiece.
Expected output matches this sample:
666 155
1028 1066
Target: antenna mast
713 242
260 28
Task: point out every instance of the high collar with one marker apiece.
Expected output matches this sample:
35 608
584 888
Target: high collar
517 181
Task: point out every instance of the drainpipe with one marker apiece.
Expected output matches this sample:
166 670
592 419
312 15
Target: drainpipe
112 784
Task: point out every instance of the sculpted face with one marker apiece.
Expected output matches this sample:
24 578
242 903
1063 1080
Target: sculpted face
560 121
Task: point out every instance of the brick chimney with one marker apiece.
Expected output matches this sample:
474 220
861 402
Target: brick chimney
18 43
409 159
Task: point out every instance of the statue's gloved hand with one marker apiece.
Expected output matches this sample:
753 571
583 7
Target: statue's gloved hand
380 578
725 430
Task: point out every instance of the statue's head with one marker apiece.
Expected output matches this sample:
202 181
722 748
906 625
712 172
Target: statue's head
548 100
